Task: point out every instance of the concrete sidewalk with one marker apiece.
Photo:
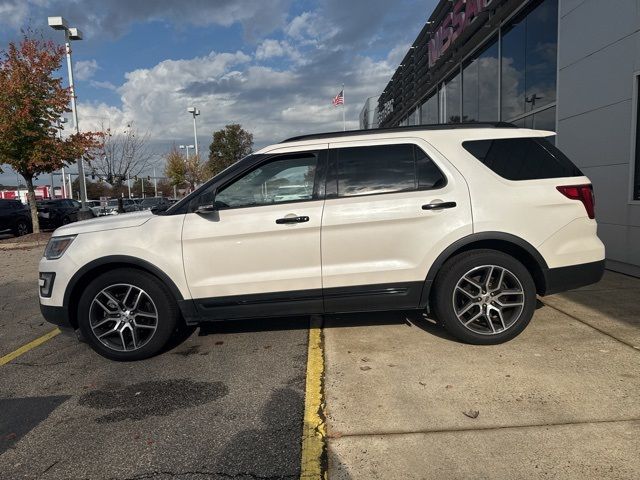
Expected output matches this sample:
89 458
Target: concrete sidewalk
559 401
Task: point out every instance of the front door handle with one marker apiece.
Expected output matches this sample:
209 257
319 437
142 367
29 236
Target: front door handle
438 206
292 220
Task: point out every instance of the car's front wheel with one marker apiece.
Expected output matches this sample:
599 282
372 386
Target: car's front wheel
127 314
484 297
22 228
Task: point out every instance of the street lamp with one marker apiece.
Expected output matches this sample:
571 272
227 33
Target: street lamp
195 112
60 125
187 147
71 34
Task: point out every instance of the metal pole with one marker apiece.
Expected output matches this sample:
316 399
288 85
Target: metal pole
70 186
344 124
142 186
129 184
155 181
52 189
64 184
74 111
175 195
195 132
18 186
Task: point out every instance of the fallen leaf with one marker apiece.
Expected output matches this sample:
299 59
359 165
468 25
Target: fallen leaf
220 342
448 386
472 413
365 359
365 368
423 384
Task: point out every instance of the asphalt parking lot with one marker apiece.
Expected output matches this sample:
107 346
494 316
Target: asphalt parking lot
402 400
226 403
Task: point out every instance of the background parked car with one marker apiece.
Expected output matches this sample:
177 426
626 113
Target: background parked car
157 202
54 213
15 216
111 208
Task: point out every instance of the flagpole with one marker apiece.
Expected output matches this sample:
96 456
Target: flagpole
344 124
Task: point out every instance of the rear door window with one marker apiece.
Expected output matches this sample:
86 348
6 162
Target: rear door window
385 169
523 158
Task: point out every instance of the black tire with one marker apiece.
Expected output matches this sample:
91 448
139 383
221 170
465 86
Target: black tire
443 297
163 301
22 228
65 221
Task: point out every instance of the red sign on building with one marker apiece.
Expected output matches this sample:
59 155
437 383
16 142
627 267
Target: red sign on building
462 14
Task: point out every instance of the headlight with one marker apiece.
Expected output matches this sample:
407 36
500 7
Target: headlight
57 246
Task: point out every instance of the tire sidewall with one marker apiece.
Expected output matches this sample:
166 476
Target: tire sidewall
162 298
455 268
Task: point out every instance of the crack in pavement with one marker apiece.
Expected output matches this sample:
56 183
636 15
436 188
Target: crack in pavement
338 435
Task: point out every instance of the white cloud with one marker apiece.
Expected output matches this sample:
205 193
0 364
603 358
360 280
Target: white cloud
85 69
230 87
106 85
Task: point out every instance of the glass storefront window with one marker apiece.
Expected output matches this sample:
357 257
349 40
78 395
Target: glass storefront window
529 60
429 110
480 86
451 100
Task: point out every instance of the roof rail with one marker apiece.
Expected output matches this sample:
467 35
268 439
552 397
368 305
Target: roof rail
436 126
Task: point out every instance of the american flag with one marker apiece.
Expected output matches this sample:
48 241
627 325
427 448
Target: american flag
338 99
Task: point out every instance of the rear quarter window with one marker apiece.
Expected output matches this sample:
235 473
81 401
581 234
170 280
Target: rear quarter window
523 158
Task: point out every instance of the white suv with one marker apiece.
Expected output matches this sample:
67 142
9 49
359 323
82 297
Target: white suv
466 221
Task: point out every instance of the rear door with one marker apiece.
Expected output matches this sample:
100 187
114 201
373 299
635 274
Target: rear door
259 254
392 206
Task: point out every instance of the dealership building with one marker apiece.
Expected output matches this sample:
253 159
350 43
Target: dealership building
571 66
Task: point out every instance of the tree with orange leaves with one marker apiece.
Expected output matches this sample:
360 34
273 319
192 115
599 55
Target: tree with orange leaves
32 100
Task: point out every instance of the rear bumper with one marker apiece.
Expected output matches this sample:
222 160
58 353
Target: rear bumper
574 276
57 315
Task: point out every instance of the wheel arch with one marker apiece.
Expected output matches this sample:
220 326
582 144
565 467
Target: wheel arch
101 265
512 245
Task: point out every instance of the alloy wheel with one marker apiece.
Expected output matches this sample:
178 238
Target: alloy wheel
123 317
488 299
22 229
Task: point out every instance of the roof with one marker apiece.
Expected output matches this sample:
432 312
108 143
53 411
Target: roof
377 131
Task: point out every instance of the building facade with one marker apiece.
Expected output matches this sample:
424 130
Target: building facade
369 114
570 66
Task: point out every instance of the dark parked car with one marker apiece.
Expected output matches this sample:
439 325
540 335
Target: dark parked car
54 213
153 203
15 216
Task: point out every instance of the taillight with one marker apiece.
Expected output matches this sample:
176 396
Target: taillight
584 193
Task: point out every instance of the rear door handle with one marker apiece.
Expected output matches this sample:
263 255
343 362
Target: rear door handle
439 206
292 220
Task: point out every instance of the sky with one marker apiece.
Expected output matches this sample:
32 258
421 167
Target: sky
271 65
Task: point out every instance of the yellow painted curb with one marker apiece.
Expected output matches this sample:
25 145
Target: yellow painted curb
313 433
29 346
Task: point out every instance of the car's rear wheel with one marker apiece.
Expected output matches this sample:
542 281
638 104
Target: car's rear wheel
22 228
127 314
484 297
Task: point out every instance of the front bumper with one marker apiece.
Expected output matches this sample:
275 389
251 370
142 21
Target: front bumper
574 276
59 316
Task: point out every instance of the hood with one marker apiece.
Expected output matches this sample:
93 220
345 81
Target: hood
111 222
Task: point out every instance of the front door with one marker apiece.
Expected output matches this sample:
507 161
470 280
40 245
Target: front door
259 253
392 207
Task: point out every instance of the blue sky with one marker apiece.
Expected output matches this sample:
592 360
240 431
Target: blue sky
271 65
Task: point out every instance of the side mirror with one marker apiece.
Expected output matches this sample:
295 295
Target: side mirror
206 209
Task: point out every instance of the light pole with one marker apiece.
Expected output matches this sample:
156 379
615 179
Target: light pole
155 181
187 147
71 34
195 112
60 124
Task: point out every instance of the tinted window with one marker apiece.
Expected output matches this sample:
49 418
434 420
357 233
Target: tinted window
288 179
522 158
376 169
385 169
